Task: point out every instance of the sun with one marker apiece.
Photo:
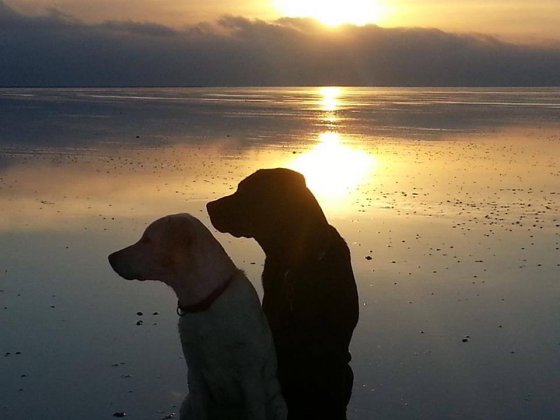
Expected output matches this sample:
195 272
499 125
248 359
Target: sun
334 12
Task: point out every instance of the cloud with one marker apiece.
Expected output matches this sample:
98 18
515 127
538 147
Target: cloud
57 50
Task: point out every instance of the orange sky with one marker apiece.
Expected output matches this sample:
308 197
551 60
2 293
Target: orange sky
519 20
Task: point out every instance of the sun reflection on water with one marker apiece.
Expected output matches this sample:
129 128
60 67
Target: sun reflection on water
334 169
330 98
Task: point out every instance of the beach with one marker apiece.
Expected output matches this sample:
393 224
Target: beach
449 200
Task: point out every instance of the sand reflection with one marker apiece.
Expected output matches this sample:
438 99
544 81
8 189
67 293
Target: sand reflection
71 192
98 188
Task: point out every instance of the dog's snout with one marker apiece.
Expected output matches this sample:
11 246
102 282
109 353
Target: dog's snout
213 207
120 265
228 215
216 213
113 260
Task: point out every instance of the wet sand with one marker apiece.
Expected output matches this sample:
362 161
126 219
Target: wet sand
455 240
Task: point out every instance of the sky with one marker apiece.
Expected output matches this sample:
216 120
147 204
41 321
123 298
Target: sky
521 20
279 42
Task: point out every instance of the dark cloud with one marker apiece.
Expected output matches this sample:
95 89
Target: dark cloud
56 50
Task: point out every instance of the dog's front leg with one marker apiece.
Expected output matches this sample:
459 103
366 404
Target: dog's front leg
195 405
254 393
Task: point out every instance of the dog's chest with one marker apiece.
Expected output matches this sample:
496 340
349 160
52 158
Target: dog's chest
215 354
206 343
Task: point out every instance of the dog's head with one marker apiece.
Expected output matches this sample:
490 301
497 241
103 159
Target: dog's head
272 205
175 249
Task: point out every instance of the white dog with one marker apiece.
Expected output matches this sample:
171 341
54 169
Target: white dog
226 340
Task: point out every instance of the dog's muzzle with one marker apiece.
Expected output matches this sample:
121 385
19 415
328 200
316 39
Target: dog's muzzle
121 268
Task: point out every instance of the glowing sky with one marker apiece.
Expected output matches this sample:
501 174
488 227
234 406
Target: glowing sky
519 20
274 43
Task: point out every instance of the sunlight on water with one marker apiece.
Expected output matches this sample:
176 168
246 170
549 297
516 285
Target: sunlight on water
334 169
330 98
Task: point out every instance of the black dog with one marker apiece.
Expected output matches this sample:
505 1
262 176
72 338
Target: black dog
310 296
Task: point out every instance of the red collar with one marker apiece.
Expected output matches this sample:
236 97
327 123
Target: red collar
205 303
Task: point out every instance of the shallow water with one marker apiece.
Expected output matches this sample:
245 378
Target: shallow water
448 198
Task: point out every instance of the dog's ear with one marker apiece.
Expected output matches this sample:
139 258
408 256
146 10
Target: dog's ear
307 208
288 178
182 234
295 178
179 239
178 233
